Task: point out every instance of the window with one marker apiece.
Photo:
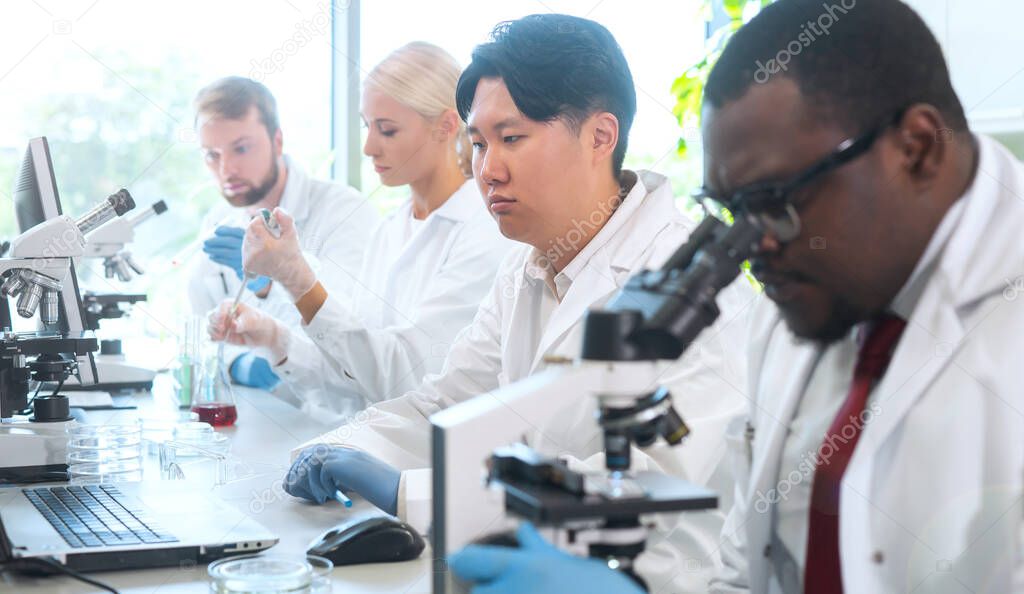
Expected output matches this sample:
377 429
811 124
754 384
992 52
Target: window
660 38
111 84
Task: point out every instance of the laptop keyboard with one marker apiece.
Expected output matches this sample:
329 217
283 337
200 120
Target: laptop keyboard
95 516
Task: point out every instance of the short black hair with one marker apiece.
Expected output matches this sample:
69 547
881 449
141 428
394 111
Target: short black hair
556 67
859 61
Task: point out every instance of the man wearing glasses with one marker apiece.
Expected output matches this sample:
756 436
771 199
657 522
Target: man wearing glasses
883 450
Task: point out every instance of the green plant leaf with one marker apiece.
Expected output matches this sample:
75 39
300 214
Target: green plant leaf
734 8
688 88
681 146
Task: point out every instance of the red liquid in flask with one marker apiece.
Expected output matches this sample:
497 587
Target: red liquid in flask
218 414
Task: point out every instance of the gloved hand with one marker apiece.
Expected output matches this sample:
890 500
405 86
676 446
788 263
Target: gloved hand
225 248
280 258
321 470
536 567
251 370
249 327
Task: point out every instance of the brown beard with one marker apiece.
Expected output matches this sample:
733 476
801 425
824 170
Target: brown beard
259 192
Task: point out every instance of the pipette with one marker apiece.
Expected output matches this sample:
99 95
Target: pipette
275 229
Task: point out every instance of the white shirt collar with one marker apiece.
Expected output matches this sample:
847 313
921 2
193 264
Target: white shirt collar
463 204
538 265
295 196
906 299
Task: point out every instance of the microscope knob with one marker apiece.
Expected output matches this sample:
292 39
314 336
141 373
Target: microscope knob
51 409
110 346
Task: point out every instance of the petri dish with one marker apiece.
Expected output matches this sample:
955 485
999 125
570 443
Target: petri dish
196 431
158 427
265 574
104 454
76 455
202 436
119 471
103 436
161 424
322 569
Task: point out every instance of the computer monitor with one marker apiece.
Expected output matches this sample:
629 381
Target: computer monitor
35 201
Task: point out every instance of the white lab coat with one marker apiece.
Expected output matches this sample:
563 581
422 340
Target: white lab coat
333 222
932 499
412 297
505 344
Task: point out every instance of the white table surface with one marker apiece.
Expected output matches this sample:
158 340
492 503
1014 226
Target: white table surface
266 431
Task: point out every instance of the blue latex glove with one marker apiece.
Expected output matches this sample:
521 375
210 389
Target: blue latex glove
321 470
251 370
225 248
535 567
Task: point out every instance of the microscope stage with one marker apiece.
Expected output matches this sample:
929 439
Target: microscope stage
547 505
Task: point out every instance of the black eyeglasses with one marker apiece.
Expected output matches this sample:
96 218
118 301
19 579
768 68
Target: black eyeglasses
770 203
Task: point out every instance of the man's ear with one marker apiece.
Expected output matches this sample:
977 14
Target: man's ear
601 133
278 143
925 142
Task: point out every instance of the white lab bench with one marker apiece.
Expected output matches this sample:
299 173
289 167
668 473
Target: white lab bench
267 429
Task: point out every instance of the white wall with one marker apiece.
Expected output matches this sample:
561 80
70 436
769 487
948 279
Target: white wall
984 45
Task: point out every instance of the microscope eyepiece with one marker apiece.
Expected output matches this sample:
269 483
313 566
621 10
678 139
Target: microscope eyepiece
115 205
121 201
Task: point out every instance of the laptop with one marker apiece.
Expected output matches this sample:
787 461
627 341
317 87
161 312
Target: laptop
124 525
112 526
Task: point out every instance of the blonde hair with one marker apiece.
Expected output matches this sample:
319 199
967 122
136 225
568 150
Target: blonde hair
423 77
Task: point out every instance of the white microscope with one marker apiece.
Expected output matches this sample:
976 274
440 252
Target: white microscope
480 482
38 273
109 242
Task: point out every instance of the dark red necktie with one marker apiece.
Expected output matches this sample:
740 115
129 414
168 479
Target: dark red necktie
821 572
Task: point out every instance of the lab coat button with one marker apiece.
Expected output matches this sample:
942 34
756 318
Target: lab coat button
319 335
877 558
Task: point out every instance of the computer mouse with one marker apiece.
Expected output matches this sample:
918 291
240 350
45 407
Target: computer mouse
378 539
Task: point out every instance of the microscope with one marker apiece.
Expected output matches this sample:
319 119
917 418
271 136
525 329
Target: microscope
653 320
109 242
38 273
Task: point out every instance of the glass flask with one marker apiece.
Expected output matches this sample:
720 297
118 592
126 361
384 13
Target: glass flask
214 402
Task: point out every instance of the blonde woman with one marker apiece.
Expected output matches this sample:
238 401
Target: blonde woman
426 268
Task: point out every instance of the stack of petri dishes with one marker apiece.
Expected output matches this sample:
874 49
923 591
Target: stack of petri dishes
104 454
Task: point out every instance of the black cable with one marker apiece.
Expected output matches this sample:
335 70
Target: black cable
28 405
52 564
38 388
